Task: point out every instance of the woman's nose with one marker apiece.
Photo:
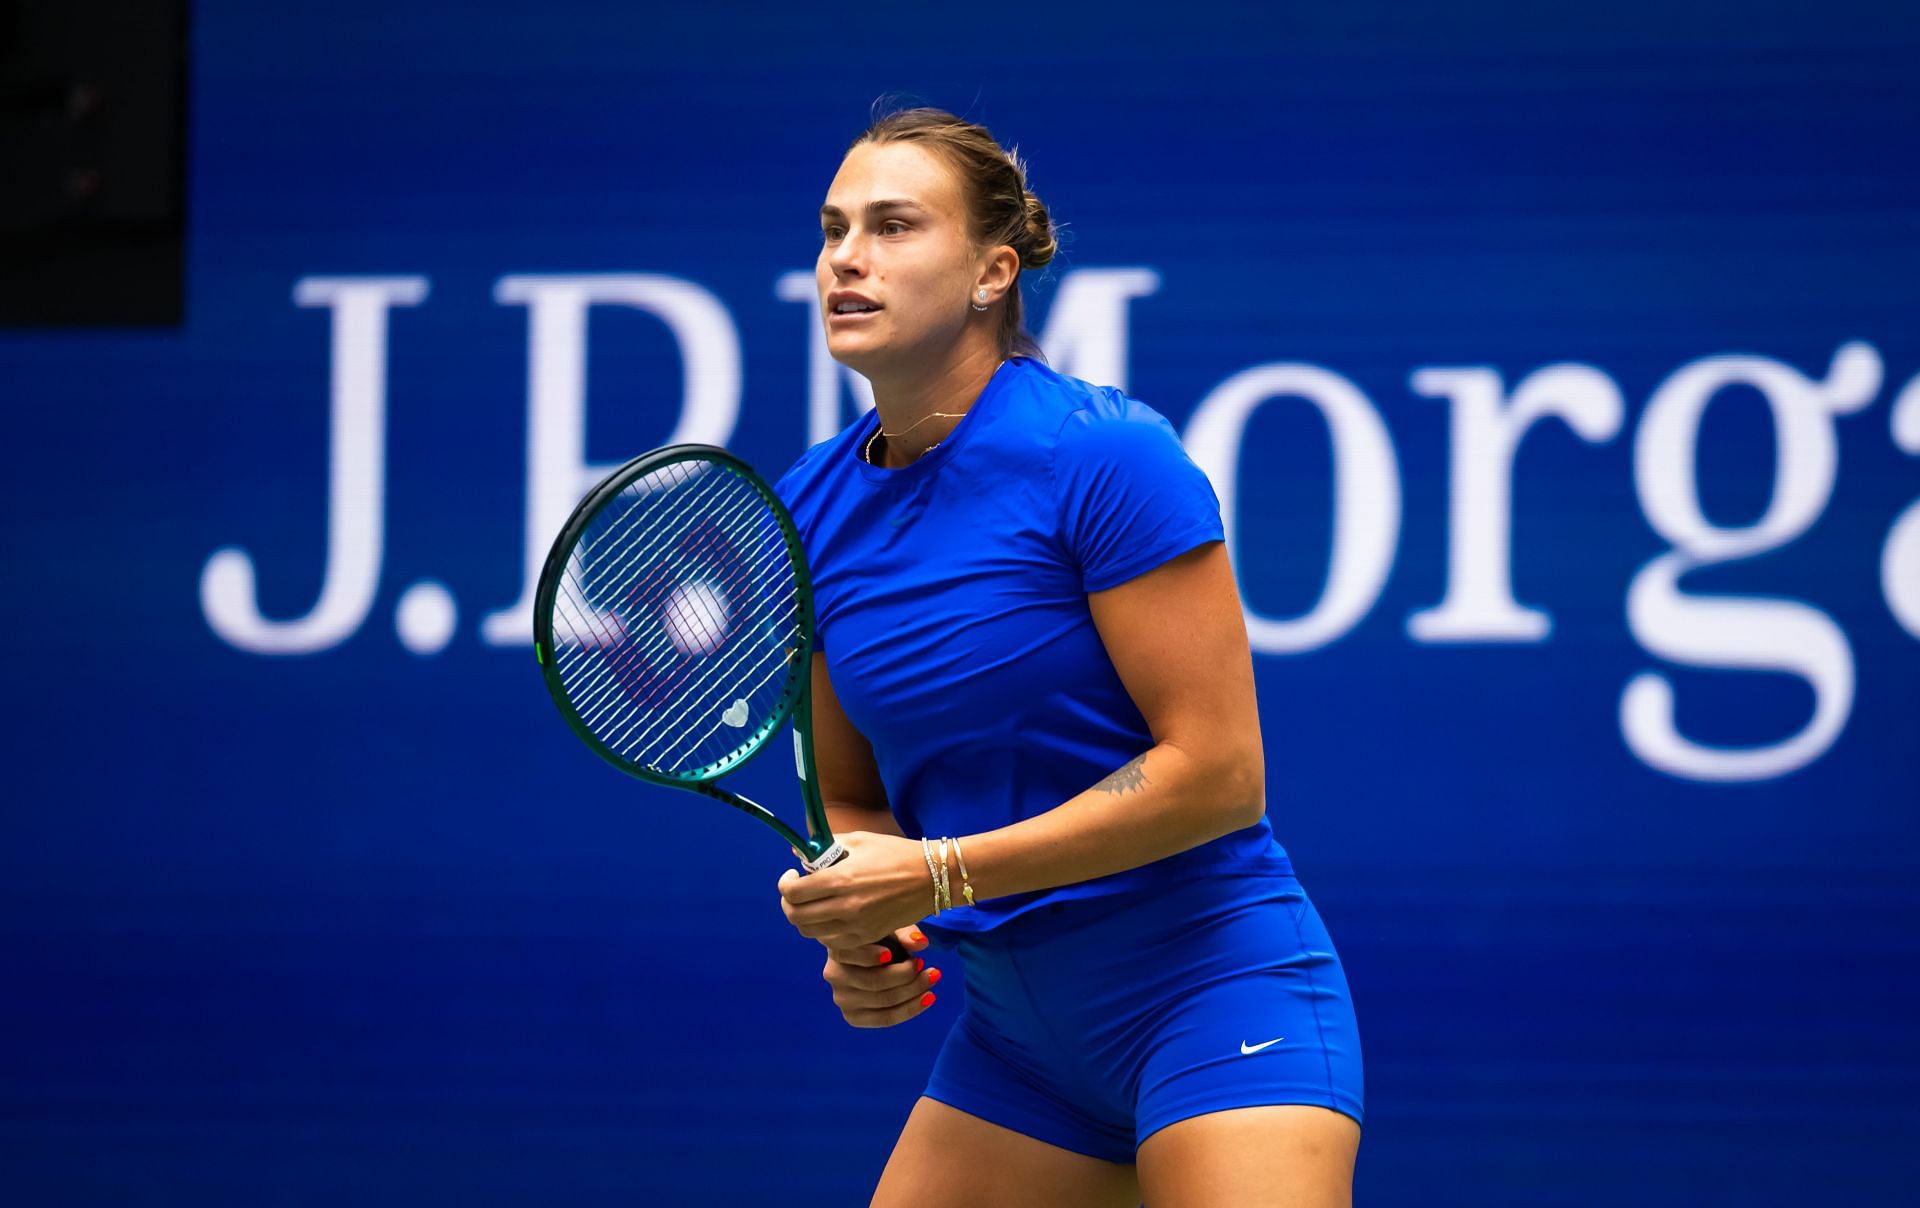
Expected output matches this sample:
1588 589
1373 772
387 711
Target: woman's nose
849 255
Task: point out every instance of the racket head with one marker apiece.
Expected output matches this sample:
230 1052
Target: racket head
673 619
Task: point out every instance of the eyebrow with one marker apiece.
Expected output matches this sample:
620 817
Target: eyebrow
875 207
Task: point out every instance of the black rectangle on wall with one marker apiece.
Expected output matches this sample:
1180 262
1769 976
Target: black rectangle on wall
93 132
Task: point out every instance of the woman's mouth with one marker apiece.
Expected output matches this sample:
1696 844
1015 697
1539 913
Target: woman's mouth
852 312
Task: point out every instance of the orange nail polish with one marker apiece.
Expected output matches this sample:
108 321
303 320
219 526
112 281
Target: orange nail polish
933 977
926 1000
918 938
918 964
886 954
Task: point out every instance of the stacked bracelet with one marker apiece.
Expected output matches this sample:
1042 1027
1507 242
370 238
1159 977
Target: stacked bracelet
938 871
946 893
966 883
926 849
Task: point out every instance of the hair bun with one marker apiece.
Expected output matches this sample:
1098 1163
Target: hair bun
1043 238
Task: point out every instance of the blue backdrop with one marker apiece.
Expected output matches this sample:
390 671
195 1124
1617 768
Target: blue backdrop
1559 371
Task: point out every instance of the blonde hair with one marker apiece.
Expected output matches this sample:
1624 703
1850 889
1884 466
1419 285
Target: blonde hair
993 184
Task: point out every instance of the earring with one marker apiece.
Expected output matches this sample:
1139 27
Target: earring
982 303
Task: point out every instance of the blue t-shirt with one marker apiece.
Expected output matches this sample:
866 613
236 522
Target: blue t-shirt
951 603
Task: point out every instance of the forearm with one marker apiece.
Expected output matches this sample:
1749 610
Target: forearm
845 818
1162 803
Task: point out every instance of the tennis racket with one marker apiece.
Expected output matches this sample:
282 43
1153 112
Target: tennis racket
673 623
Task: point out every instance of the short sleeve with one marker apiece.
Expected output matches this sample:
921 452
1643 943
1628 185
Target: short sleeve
1129 496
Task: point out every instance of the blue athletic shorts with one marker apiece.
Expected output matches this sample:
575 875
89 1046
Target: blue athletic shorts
1093 1023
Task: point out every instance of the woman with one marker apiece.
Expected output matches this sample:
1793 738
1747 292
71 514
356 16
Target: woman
1022 591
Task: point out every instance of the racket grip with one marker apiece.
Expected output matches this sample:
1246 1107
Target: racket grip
833 855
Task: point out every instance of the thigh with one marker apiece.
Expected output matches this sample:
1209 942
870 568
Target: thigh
948 1159
1290 1156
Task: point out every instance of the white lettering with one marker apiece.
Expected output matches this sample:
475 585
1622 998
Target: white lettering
558 473
1086 331
1733 632
1479 604
1900 557
356 480
1366 492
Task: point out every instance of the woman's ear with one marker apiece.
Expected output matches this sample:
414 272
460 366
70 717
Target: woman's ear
997 275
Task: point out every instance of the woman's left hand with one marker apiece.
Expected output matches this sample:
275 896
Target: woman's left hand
882 884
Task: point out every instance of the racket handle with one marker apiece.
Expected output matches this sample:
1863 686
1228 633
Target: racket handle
833 855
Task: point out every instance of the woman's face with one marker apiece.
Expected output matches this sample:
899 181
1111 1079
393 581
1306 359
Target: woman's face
894 238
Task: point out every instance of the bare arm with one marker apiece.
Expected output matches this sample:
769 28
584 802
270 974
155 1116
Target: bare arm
1177 638
850 784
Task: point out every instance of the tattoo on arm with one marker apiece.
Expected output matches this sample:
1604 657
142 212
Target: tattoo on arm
1127 778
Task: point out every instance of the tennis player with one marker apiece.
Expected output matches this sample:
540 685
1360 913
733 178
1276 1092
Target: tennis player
1036 733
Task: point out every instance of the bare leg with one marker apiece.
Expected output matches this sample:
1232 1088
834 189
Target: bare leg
1291 1156
948 1159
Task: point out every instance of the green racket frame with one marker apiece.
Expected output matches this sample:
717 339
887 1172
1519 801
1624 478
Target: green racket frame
818 848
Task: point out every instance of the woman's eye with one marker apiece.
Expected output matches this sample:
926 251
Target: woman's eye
888 227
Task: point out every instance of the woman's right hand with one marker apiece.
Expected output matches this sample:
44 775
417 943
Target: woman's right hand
873 990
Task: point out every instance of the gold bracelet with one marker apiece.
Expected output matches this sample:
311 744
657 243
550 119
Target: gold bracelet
926 849
966 882
946 893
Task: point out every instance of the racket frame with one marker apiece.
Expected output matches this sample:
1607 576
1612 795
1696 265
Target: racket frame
817 848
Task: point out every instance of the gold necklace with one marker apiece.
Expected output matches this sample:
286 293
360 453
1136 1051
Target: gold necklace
867 451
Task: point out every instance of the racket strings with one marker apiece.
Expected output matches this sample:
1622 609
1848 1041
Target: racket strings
739 695
663 573
738 681
613 535
622 679
695 548
727 664
677 617
587 620
620 541
660 575
594 697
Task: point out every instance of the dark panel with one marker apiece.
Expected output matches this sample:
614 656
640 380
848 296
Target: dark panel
93 135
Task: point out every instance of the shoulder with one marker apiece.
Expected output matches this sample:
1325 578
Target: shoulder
1101 426
1128 496
1079 415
